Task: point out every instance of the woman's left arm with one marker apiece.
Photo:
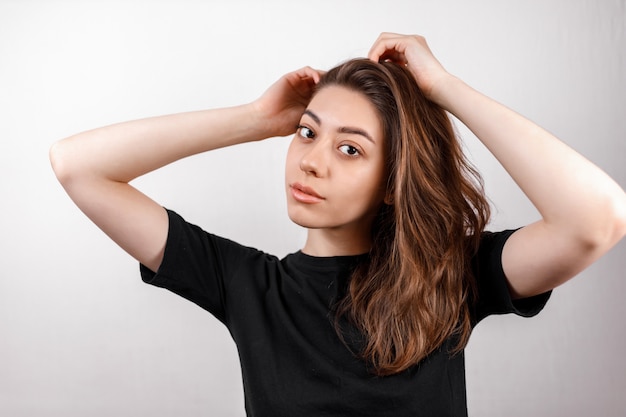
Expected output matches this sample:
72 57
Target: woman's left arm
583 210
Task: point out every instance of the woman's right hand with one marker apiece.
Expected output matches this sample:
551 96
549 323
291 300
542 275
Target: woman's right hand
282 105
95 167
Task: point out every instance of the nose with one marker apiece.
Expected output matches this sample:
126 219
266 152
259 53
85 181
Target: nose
315 160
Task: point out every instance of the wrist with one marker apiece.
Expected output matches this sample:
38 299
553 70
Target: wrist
444 91
259 121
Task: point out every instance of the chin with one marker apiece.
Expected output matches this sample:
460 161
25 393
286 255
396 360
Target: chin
302 216
304 221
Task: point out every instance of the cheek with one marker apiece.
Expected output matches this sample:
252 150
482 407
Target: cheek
291 159
378 185
366 186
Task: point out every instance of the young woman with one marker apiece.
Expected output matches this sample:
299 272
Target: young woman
371 316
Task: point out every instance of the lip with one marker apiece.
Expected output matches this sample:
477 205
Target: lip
305 194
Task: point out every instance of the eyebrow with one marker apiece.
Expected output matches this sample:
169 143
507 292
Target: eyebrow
344 129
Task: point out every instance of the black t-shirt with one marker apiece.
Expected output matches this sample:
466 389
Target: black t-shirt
279 313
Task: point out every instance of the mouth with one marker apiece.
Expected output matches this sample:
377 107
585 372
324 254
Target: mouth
305 194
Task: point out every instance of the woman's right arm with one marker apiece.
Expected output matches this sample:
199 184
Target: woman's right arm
95 167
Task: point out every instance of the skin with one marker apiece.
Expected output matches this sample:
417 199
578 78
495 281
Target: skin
338 153
583 211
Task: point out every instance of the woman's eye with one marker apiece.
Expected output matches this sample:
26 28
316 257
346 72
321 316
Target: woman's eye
305 132
349 150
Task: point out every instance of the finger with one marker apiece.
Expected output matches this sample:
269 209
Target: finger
388 46
393 56
309 73
300 77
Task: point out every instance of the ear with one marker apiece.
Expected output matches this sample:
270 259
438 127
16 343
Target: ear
388 199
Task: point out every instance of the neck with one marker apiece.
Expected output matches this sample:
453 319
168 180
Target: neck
330 242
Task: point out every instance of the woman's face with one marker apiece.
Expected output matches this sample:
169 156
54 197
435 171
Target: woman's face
335 171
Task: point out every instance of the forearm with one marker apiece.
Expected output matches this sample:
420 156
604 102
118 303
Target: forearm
95 167
124 151
568 190
583 210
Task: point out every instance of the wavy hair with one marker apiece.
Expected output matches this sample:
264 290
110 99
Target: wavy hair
414 291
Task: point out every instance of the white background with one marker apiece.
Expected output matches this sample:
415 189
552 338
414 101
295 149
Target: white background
80 335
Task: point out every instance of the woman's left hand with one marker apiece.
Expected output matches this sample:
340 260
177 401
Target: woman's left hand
413 52
583 210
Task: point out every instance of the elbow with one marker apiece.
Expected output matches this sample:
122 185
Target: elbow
619 223
63 165
57 157
610 226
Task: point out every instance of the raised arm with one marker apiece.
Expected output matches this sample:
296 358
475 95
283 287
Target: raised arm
583 210
96 166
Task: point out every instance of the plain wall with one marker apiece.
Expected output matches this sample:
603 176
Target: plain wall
80 334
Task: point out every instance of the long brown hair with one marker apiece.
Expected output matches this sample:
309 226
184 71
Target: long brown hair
414 291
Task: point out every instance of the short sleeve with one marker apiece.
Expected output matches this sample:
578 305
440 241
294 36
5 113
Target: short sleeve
493 294
196 265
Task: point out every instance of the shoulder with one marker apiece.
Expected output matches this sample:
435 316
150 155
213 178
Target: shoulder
487 260
493 294
190 250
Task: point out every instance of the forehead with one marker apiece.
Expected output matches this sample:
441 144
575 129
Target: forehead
339 107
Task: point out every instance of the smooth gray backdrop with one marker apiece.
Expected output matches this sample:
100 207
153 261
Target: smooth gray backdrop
80 335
